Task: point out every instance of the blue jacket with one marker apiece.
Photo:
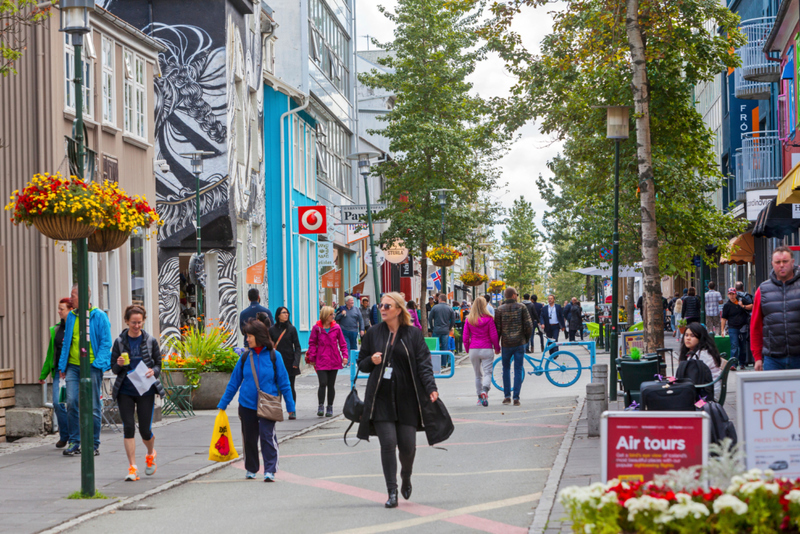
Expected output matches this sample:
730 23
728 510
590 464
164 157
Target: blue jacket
250 313
544 316
242 377
99 336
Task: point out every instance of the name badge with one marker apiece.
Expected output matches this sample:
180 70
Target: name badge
387 373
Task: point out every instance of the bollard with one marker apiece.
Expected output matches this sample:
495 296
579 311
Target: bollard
600 376
595 397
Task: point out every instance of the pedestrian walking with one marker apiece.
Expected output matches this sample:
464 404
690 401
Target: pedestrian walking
734 317
430 304
489 306
400 394
349 318
537 307
259 369
412 310
69 367
50 367
691 306
514 327
284 335
697 343
133 347
526 300
775 321
482 344
552 320
366 312
575 319
677 313
713 301
441 321
327 352
252 310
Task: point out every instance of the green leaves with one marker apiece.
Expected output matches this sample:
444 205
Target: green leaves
521 255
17 17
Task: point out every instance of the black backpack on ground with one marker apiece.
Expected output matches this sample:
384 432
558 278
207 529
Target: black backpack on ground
697 371
677 396
721 426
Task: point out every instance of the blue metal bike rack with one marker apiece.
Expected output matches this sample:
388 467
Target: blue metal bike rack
355 375
588 344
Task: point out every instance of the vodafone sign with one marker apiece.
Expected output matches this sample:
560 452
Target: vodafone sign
312 220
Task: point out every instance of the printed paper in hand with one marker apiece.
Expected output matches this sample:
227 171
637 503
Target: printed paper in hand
141 382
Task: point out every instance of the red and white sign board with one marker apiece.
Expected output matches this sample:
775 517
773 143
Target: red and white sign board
313 220
768 420
635 446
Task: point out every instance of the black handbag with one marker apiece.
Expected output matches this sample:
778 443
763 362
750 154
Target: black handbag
353 409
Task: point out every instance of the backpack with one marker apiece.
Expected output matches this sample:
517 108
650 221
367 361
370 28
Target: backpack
698 372
720 426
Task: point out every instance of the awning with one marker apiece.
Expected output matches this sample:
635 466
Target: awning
776 221
605 271
788 71
743 250
789 187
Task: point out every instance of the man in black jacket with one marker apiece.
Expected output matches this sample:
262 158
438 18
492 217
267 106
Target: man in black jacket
537 327
526 300
552 320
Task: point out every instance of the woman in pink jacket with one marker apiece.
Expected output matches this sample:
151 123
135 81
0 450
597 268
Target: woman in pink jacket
482 344
327 352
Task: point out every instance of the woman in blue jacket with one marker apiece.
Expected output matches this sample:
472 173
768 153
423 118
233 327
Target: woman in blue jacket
255 429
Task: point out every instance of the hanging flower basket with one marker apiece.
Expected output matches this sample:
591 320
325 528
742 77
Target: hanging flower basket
496 286
473 279
443 256
62 227
107 239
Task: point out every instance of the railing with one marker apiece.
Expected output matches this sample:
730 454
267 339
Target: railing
755 66
760 160
738 179
749 90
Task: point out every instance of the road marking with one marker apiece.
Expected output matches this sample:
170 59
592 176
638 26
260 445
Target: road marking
459 517
494 471
503 412
456 514
502 423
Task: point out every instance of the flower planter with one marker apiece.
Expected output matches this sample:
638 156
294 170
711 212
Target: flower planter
472 284
63 228
106 239
444 263
209 392
682 329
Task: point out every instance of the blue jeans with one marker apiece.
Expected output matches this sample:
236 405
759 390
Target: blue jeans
780 364
518 354
61 412
352 340
73 409
733 333
444 344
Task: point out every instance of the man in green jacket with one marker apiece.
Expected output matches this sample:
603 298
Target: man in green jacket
50 368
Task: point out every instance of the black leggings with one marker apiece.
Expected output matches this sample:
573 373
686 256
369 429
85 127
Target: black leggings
393 435
144 411
291 384
327 379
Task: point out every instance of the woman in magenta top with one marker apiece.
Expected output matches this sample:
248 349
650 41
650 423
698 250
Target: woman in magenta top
327 352
412 311
482 344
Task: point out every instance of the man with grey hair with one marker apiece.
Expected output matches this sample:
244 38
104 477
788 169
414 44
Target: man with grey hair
351 322
69 365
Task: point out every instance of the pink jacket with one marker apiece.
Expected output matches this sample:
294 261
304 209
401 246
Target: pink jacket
415 318
326 350
481 336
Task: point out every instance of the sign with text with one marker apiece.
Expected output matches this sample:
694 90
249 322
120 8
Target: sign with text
354 213
331 280
255 273
768 420
407 268
756 200
636 446
356 232
325 254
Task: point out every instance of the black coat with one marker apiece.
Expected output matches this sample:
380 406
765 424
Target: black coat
150 352
780 312
289 347
409 344
544 317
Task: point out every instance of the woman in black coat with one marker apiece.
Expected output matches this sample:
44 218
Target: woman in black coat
691 307
401 395
287 343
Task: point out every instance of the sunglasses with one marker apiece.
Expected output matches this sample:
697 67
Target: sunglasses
385 306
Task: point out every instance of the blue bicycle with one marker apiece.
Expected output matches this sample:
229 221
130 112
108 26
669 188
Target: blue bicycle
562 368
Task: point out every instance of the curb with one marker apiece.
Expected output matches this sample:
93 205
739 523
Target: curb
548 498
75 521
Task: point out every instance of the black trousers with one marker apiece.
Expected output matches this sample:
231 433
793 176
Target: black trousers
392 436
144 410
327 380
291 383
254 431
552 332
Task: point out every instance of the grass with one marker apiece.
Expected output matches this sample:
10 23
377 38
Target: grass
80 495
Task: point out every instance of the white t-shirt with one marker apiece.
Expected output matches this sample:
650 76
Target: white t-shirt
706 358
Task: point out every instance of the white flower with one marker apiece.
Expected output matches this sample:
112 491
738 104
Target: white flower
769 475
730 502
749 488
793 496
753 474
683 498
609 498
694 509
645 503
588 528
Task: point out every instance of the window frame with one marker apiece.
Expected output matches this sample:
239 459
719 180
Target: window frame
108 87
88 86
134 95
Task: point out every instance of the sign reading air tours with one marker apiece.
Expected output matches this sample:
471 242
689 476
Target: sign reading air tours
255 273
768 420
313 220
353 213
635 446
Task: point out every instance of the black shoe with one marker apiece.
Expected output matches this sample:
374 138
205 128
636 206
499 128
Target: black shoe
329 411
392 502
320 410
97 451
405 488
61 444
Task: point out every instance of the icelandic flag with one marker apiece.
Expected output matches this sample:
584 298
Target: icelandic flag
436 278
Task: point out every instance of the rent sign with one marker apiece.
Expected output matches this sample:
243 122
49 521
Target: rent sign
635 446
768 416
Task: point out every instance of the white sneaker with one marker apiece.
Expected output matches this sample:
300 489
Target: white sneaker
133 474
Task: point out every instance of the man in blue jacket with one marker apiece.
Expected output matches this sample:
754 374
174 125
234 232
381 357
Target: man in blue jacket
69 366
552 319
251 311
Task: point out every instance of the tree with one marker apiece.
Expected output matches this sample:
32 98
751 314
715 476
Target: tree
16 16
618 52
520 254
565 285
439 133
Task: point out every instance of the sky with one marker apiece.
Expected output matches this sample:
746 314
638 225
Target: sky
528 156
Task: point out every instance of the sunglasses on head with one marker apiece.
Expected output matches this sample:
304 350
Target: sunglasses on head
385 306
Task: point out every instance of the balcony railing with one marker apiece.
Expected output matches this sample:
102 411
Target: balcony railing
760 160
755 66
738 179
749 90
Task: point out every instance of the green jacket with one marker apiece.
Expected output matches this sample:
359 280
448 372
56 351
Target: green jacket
49 366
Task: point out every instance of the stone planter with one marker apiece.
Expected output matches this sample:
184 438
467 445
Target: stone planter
212 387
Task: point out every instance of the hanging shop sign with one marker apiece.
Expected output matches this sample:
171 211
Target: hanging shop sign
312 220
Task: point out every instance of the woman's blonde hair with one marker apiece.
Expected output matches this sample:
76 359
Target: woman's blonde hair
325 313
400 302
478 311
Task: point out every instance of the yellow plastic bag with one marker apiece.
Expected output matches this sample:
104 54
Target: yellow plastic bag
221 448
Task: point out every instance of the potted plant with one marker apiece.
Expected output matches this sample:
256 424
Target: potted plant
682 326
443 256
636 354
473 279
496 286
122 214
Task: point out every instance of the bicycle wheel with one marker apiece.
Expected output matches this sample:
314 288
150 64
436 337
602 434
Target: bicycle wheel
497 373
564 372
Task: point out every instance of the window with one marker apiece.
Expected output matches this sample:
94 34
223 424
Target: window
69 73
297 178
139 271
305 275
311 177
333 167
329 45
269 56
107 57
110 169
134 95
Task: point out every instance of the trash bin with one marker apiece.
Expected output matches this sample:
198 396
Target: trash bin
436 360
723 344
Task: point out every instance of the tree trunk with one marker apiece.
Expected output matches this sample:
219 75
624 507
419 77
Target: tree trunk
654 325
423 293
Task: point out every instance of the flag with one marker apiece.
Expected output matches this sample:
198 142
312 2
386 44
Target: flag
436 277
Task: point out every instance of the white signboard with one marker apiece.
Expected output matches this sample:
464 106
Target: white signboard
398 253
353 213
380 257
757 200
768 420
325 254
795 211
356 232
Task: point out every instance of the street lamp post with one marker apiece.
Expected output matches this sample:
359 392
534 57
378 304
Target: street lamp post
364 168
75 23
485 284
196 159
442 196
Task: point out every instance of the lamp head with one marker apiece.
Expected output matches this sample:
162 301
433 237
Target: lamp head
617 122
75 16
